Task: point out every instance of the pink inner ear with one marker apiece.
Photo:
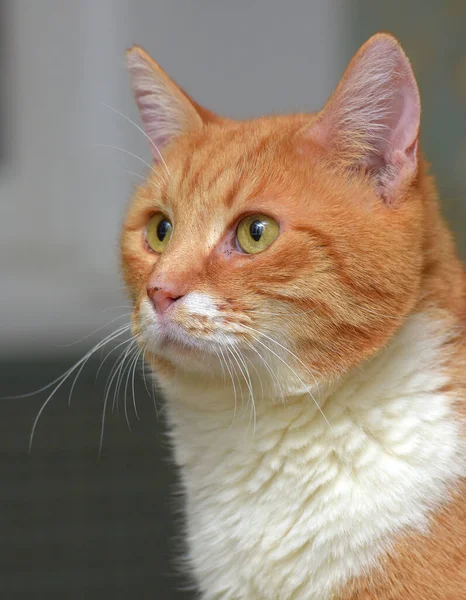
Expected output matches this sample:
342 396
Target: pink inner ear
400 121
159 125
165 112
373 117
405 128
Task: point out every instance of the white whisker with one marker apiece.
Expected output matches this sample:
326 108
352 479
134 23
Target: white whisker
87 336
129 153
126 367
104 410
143 133
135 362
284 348
152 381
247 379
61 380
228 366
135 174
269 369
295 374
107 356
115 372
221 364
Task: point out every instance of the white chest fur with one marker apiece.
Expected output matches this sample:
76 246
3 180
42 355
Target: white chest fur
297 508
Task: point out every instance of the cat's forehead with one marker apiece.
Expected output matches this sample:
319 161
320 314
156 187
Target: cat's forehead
223 164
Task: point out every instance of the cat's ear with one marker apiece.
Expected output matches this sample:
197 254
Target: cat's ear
166 110
372 119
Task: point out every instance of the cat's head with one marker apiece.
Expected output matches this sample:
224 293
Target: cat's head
291 239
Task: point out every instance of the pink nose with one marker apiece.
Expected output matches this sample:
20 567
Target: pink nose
162 299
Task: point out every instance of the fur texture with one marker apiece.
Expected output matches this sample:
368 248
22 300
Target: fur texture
316 390
296 509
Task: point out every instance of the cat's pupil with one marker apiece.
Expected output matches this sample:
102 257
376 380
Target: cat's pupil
162 229
256 229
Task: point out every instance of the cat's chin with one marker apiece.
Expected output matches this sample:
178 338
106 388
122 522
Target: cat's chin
170 341
182 352
185 358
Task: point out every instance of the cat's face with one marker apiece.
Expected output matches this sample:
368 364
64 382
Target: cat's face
261 243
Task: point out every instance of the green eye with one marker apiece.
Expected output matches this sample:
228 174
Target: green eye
158 232
256 233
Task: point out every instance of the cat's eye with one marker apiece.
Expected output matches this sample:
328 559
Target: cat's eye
158 232
256 233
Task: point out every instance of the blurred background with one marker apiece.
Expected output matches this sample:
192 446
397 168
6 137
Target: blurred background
73 525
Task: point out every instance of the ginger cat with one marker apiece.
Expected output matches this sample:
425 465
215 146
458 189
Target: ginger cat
302 308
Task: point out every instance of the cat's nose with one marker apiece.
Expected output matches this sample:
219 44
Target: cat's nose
162 298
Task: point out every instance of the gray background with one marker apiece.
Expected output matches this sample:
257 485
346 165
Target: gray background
62 193
73 525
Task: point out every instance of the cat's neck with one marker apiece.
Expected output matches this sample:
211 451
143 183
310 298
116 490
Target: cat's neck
408 385
386 454
415 360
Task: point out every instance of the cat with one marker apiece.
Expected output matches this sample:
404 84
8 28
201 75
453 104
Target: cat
302 309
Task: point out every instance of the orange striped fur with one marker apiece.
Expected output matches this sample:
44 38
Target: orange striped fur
352 266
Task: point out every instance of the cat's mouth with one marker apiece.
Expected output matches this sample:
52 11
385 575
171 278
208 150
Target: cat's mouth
182 333
173 335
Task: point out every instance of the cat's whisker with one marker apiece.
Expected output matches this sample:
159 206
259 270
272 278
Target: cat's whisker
135 362
294 372
87 336
229 368
144 378
115 370
61 380
104 360
249 384
285 349
221 364
238 382
258 376
240 363
248 360
116 363
135 174
151 141
153 394
68 371
247 378
104 410
111 147
125 373
268 368
126 370
250 388
236 367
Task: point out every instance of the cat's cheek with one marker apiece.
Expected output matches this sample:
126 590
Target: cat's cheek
136 271
147 322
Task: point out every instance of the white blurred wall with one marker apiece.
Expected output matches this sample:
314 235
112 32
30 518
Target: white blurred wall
62 193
